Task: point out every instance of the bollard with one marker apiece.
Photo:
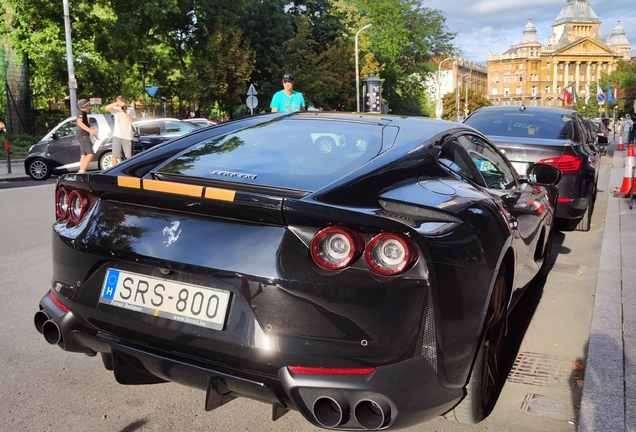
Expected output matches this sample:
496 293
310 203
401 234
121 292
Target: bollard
6 147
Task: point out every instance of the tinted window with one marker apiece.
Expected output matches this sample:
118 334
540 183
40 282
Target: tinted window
524 124
178 128
150 129
285 152
67 128
497 174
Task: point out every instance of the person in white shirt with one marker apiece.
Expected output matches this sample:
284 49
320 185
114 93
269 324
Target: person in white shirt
627 127
122 135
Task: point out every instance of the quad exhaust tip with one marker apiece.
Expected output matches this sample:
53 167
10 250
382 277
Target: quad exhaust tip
39 319
331 411
51 332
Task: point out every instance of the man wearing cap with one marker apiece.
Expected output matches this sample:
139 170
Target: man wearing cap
83 134
287 99
122 135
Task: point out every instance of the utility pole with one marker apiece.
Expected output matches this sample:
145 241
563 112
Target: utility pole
72 82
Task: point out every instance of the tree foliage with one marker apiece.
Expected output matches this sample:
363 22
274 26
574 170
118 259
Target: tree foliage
208 53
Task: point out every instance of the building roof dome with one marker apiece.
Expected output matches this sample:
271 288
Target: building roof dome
618 35
530 34
576 11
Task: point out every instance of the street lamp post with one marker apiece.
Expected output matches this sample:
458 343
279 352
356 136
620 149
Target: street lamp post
439 107
357 68
459 81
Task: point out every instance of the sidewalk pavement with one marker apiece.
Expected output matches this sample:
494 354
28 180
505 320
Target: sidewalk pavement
17 171
608 402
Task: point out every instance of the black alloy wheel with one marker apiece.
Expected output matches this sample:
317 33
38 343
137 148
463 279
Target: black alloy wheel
484 381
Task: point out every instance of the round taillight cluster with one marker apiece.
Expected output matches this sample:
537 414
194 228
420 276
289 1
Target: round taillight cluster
71 205
386 254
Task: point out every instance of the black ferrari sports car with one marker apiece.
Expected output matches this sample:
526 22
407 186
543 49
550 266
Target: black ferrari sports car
367 287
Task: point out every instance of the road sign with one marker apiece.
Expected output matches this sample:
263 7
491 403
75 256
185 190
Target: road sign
252 91
601 97
95 101
251 102
432 89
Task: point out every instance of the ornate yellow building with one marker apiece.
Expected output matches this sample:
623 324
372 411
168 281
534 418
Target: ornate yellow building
531 73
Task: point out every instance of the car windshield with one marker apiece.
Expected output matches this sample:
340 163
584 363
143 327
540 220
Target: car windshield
523 124
291 153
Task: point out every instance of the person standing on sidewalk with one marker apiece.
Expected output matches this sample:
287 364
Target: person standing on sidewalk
83 134
287 99
122 135
626 128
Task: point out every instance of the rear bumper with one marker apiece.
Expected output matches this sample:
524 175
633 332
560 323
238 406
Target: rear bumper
407 393
573 209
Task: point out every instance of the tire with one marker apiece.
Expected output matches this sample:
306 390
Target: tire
547 254
106 161
39 169
585 222
485 378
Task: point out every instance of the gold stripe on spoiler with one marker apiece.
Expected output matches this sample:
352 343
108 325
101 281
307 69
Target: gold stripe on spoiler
177 188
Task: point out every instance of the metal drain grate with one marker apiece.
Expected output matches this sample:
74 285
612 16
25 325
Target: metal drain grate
542 370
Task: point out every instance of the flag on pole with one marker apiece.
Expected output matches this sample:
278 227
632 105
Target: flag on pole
599 90
575 97
609 93
616 92
587 93
567 96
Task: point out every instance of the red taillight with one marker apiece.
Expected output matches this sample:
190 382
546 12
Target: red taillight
388 254
566 200
330 371
58 303
61 203
71 205
334 248
77 206
566 163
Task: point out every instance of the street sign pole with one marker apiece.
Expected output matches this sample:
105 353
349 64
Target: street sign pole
251 100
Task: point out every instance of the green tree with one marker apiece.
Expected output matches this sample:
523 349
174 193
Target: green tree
475 101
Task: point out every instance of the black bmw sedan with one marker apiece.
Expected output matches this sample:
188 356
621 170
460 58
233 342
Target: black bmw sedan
554 136
367 287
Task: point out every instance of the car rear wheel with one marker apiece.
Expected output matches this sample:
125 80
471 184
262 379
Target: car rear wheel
106 161
484 381
325 144
585 222
39 169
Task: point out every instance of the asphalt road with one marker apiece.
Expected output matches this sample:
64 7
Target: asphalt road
45 389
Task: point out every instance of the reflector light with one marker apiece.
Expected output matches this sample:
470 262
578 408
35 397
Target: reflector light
388 254
77 206
330 371
334 248
61 203
566 163
566 200
58 303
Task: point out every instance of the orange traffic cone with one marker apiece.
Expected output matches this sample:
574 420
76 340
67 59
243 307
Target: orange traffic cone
621 144
630 161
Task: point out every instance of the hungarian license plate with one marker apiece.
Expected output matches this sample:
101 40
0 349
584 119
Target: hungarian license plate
520 167
192 304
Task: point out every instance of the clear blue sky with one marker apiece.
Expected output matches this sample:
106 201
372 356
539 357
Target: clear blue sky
494 25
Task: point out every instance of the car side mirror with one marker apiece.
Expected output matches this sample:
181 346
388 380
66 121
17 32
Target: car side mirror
544 174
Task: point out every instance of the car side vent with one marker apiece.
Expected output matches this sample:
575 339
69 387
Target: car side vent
429 343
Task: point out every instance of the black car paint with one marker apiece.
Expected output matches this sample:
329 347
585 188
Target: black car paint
424 325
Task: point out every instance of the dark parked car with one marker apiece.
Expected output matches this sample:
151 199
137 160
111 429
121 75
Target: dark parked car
157 131
553 136
367 288
62 155
602 133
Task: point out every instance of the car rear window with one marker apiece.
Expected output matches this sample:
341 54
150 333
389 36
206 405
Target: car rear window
299 154
524 124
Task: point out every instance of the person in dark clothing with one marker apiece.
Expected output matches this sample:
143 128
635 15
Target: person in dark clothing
83 134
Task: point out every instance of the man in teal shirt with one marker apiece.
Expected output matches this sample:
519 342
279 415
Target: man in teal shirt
287 99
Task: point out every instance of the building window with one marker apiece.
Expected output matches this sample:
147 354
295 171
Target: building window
561 66
518 90
495 91
593 66
558 89
547 89
534 90
571 77
604 66
506 91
